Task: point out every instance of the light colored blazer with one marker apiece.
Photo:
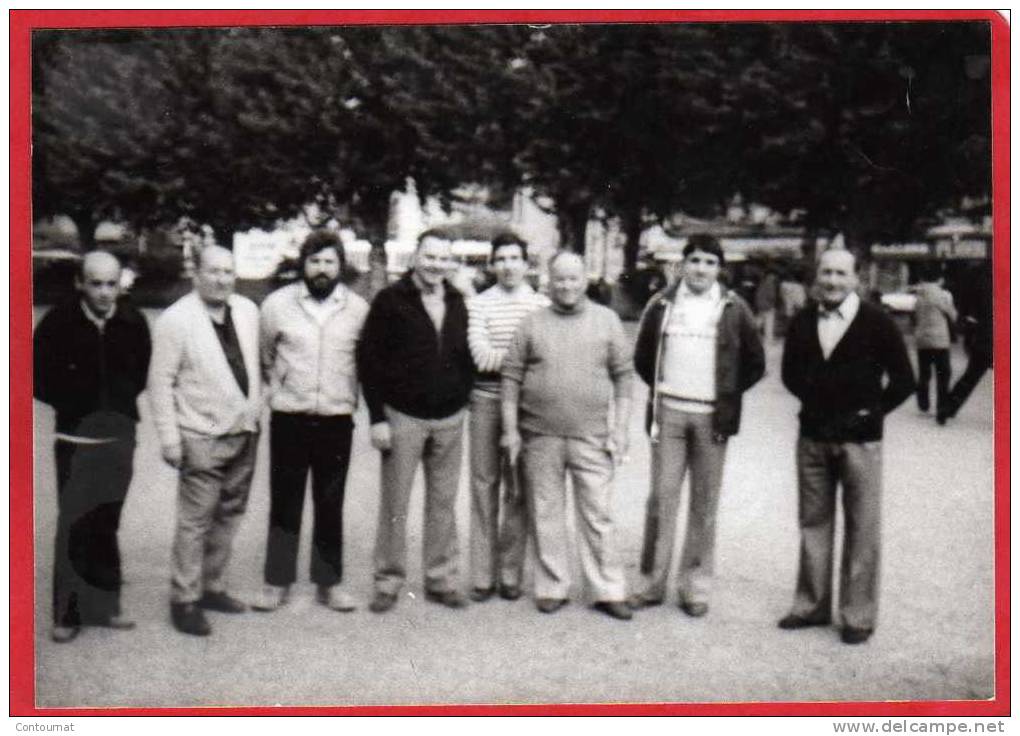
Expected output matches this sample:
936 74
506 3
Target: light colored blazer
191 386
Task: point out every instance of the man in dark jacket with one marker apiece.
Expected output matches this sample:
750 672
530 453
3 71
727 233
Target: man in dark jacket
846 362
416 373
90 361
698 350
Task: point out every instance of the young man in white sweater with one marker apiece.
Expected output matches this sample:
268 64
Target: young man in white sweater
497 549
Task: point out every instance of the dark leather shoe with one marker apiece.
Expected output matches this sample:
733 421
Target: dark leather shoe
695 610
550 605
382 602
509 592
188 618
448 598
616 609
480 595
64 634
641 600
792 622
116 622
850 635
221 602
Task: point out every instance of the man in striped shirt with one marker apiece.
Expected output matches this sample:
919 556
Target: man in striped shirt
497 553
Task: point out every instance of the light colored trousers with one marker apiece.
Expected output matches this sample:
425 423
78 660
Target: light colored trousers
437 444
215 478
857 467
498 527
685 442
545 461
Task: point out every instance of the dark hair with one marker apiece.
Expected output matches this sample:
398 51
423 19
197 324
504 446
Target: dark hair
318 240
505 239
432 232
706 244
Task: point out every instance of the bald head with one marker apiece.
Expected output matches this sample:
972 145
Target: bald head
837 276
99 281
567 282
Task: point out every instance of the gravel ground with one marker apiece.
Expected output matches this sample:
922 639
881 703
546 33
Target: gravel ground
935 639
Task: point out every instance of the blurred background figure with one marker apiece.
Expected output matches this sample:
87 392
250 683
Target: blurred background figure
934 315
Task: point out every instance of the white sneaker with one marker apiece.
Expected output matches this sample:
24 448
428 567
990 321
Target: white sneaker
336 598
273 596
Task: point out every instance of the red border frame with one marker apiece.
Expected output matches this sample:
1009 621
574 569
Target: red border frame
22 653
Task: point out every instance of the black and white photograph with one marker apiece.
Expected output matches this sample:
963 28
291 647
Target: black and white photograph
514 363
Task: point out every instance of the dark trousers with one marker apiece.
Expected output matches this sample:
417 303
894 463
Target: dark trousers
928 358
92 483
299 443
977 364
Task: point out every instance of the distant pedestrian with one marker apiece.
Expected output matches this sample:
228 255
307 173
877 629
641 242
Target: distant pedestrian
205 389
766 295
977 312
933 314
309 335
846 362
567 382
417 373
792 294
498 521
698 351
90 358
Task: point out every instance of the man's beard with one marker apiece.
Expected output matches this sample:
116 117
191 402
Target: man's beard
321 286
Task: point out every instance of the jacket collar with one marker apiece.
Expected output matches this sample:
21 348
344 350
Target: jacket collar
405 284
671 292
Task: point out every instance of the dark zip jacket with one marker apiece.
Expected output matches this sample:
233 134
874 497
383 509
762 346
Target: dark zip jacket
405 364
739 364
79 370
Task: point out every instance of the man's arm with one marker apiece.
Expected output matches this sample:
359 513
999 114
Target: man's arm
793 358
167 352
621 370
897 366
644 348
487 358
47 381
752 354
510 394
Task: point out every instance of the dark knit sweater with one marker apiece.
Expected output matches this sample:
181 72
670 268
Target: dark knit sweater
868 374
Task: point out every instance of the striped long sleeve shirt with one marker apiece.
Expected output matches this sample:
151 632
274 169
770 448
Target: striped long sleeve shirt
493 319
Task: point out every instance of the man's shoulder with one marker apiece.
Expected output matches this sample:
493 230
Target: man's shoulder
240 303
129 314
357 302
278 297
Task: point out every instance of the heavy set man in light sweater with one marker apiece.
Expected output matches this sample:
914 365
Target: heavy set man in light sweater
309 336
698 350
205 389
498 529
567 382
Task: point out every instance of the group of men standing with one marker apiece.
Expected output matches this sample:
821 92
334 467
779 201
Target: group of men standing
547 383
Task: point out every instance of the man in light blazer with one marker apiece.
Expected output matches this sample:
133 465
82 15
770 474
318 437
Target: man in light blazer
204 384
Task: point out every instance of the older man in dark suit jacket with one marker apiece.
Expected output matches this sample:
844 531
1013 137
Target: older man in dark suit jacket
846 362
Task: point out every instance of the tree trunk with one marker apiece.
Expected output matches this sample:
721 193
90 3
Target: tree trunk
85 222
572 222
633 226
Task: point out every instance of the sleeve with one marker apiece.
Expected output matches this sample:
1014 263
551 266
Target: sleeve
47 380
645 347
793 359
752 354
372 355
167 354
950 308
517 354
487 359
621 359
267 339
897 366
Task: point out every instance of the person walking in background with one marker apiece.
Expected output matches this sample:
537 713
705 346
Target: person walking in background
91 356
309 335
977 310
567 381
698 350
416 373
792 295
765 297
933 314
498 529
205 389
845 360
